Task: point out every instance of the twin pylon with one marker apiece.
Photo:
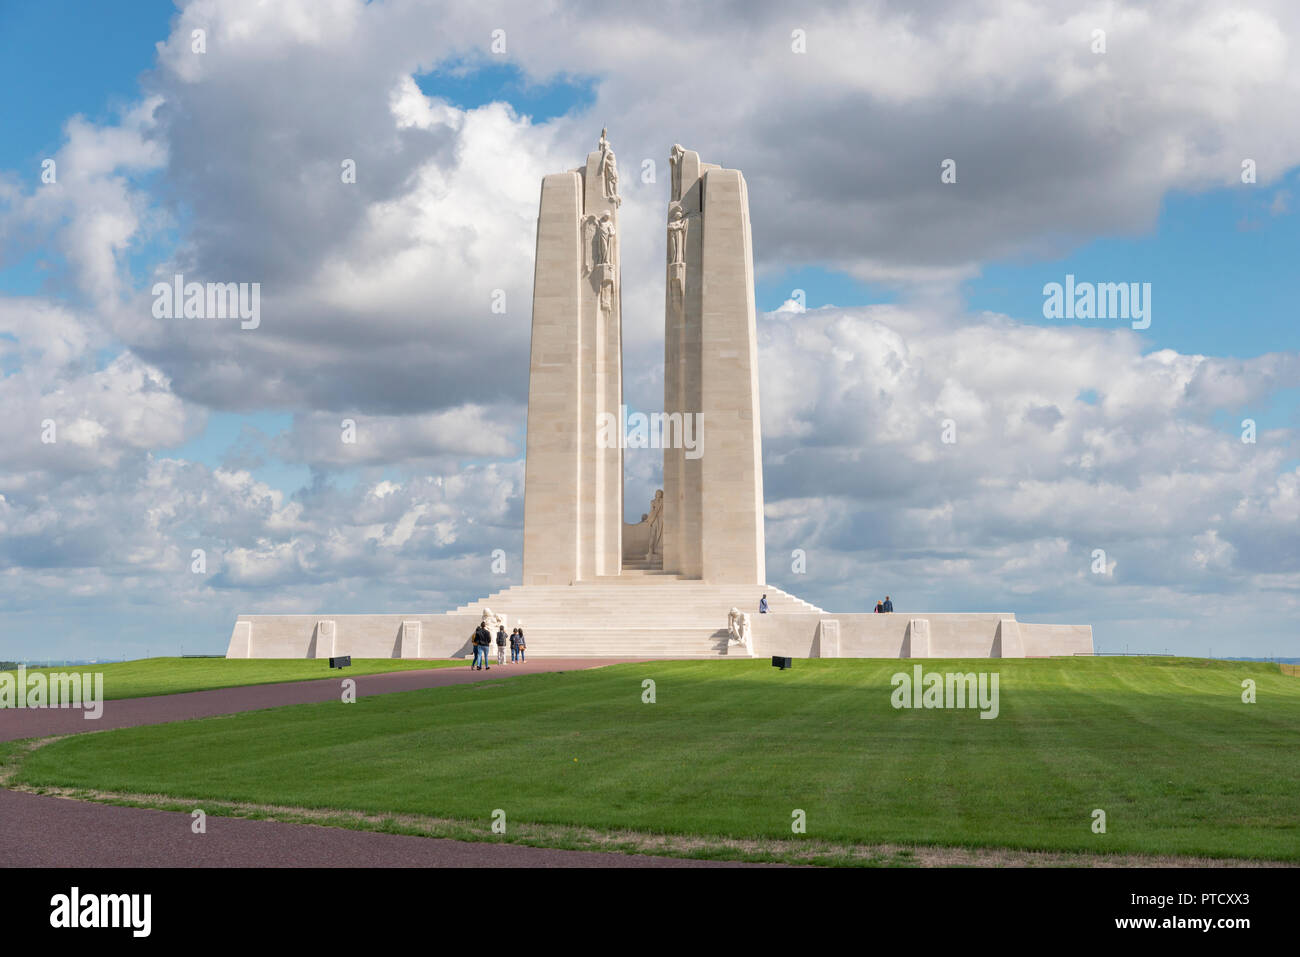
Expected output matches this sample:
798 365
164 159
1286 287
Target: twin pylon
712 521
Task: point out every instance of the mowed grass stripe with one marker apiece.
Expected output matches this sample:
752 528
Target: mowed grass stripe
158 676
1168 750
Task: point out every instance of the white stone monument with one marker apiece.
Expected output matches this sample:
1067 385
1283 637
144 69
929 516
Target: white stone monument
586 591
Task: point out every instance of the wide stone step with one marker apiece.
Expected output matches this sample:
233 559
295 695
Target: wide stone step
561 618
639 595
627 609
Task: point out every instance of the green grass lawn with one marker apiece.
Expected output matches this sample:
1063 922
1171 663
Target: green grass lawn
1165 747
154 676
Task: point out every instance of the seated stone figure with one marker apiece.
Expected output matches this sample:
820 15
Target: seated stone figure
492 622
738 632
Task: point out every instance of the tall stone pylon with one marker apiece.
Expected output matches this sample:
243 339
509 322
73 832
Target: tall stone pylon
573 476
713 494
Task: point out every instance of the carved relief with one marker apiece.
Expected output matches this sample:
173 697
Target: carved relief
600 253
678 227
678 223
604 249
598 238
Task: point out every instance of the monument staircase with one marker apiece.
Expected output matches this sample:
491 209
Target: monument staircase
644 612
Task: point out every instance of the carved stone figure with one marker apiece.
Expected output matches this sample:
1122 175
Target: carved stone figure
604 235
492 622
675 163
733 624
678 223
598 238
609 170
656 526
738 632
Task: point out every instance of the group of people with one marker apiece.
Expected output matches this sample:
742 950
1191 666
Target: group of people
482 641
884 606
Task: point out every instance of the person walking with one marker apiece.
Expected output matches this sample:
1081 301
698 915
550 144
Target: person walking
482 638
501 645
762 605
888 606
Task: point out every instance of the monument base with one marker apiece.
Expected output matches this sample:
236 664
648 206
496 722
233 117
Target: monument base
650 614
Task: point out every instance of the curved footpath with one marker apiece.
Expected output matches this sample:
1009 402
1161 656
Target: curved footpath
159 709
41 831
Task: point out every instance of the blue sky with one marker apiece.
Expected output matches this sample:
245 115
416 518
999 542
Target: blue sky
1219 259
64 57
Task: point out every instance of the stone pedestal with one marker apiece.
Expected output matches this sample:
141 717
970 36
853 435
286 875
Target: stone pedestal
828 638
1007 642
409 640
322 642
918 638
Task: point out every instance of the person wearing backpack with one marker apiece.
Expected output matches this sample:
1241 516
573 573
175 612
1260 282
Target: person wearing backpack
501 645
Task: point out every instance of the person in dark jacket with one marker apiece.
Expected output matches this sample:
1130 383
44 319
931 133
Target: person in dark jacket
482 638
888 606
880 608
514 645
522 644
501 645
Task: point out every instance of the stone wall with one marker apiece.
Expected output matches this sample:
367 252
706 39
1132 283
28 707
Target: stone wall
636 540
362 636
869 635
812 635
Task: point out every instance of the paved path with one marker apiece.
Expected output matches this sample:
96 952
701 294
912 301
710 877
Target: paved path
128 712
41 831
